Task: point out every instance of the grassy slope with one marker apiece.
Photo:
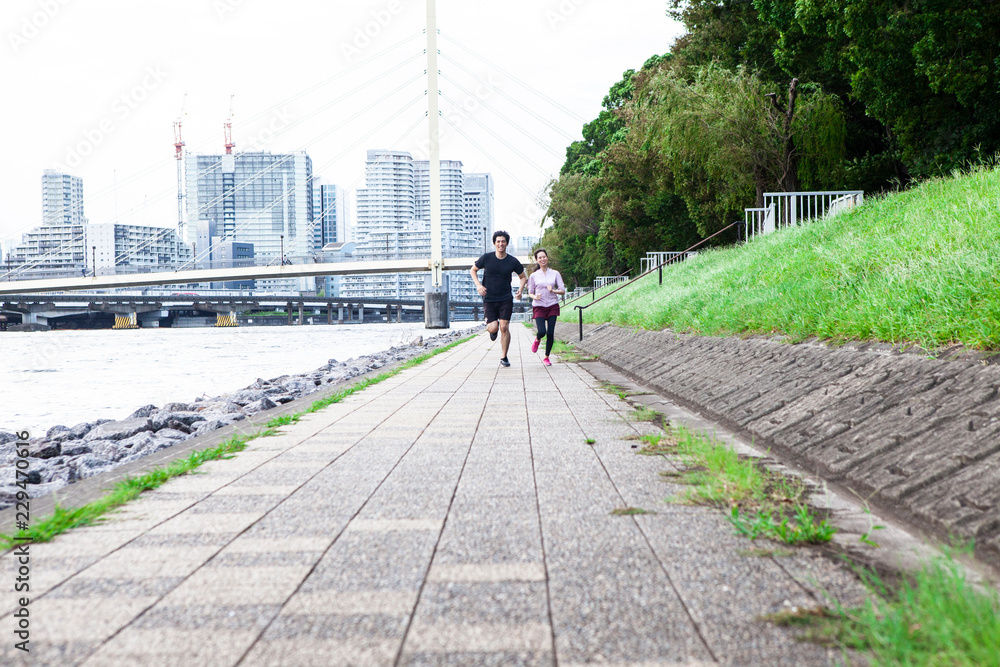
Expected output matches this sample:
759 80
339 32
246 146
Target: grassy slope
921 266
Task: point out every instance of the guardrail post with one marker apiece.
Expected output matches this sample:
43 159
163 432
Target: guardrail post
661 272
580 310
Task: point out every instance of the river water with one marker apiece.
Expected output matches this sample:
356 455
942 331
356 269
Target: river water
68 377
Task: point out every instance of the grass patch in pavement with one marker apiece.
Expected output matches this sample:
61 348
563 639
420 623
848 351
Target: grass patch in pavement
934 617
761 503
63 519
567 352
630 511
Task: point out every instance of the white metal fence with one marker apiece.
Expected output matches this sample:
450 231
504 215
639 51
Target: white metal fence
654 259
784 209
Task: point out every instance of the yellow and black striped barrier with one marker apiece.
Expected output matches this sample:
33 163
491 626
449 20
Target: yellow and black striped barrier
125 322
225 320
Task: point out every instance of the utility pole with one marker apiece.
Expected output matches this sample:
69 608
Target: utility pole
436 295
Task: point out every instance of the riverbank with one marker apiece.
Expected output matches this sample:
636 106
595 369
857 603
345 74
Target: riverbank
67 454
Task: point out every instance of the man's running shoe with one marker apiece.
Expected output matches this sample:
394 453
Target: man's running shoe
493 335
534 346
504 362
546 361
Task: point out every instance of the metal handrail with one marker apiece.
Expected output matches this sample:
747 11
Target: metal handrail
659 267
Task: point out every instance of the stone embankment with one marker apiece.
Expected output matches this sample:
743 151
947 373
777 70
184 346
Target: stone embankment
915 436
67 454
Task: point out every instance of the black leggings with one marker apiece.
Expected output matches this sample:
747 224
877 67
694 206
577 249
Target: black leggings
550 335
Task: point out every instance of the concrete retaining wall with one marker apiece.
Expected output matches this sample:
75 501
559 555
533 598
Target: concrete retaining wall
918 437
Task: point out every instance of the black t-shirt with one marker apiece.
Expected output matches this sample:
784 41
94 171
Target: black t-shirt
496 275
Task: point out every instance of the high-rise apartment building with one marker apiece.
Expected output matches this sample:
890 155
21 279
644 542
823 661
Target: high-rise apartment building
478 207
62 199
393 222
57 246
329 214
255 197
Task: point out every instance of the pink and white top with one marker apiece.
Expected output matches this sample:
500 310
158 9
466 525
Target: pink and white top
539 281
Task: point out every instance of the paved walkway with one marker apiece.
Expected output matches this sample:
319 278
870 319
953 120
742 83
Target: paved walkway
453 514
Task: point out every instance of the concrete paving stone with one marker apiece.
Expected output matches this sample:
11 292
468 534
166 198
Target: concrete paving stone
362 561
113 587
283 475
305 652
824 580
207 617
81 543
47 653
141 563
514 603
165 647
467 542
278 525
203 481
146 540
238 585
332 444
216 522
902 474
86 620
356 603
255 487
481 659
245 544
360 627
364 525
489 572
482 481
471 505
408 503
479 638
266 559
298 455
232 503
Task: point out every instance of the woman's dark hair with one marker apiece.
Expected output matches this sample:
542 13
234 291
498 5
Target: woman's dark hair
538 250
503 234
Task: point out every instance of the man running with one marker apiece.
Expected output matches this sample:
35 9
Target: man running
498 304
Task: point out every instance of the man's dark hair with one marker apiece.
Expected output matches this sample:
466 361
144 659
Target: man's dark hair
503 234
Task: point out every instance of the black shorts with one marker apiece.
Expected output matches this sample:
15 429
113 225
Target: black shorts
498 310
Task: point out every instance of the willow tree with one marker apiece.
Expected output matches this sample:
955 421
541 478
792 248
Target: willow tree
728 137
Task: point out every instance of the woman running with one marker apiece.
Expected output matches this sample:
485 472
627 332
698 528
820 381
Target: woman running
545 285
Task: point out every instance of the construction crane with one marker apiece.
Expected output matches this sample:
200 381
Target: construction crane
228 128
179 154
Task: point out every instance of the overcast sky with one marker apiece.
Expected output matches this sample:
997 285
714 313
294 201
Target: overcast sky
93 87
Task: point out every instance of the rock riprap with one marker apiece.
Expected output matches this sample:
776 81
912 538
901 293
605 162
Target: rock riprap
66 454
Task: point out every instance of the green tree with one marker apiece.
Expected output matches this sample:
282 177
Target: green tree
727 139
572 240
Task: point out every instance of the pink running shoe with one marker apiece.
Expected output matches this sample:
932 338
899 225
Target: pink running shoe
546 361
534 345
